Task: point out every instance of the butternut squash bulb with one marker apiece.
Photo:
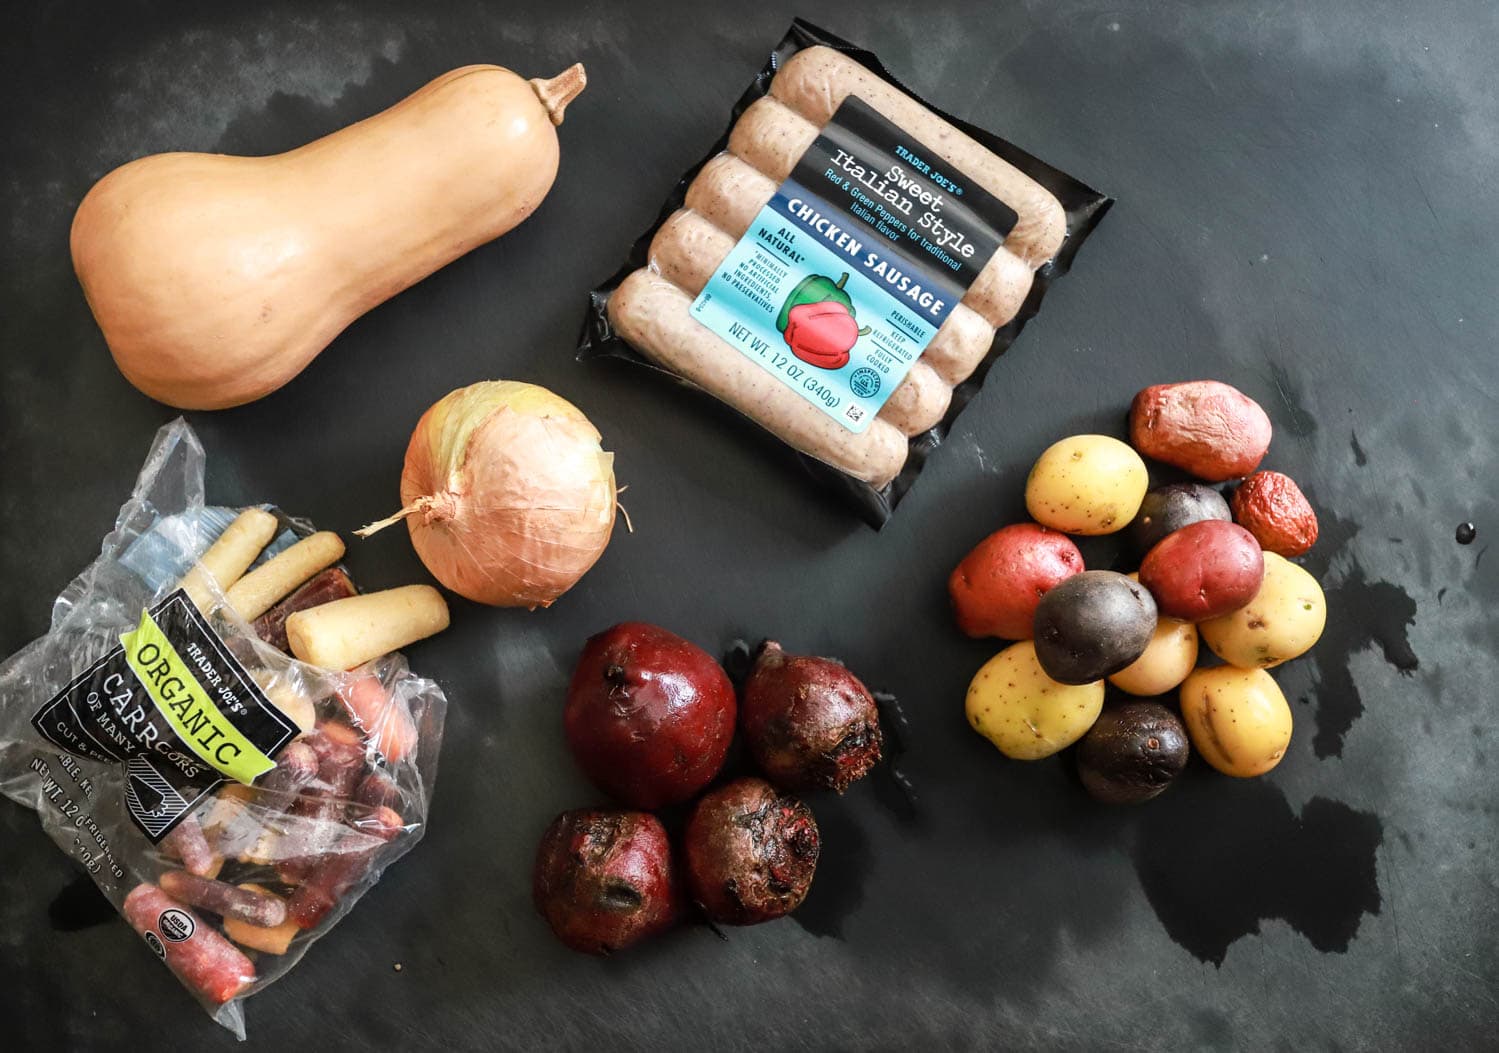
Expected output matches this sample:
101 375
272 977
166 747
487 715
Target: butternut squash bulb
217 279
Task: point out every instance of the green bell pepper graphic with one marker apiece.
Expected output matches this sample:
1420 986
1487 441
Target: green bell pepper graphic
815 288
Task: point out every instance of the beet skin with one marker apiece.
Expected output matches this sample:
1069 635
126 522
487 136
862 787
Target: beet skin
604 879
649 715
750 852
809 723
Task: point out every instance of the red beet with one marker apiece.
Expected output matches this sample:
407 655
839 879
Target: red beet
604 879
649 716
809 723
750 852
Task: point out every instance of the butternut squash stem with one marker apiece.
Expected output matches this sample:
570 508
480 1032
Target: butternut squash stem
562 89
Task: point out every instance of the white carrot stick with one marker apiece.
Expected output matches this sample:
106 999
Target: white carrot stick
276 578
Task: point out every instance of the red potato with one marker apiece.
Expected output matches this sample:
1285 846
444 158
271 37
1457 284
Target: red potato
996 588
1272 508
809 723
1204 570
604 879
1205 427
649 715
750 852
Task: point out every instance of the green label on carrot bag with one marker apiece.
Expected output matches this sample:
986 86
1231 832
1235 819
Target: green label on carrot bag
846 274
175 707
189 707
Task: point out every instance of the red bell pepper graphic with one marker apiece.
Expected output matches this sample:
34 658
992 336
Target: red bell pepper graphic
822 334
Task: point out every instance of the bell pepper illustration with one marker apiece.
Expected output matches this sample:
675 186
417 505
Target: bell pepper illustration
815 288
822 334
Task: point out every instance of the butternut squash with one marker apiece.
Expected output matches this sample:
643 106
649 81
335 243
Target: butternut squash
217 279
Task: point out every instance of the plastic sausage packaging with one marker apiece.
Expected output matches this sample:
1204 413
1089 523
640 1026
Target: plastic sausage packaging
844 266
231 801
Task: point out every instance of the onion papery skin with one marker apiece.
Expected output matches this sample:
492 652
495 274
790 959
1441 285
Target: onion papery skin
508 493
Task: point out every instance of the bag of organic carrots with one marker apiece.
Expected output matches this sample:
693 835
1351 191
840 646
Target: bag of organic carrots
218 728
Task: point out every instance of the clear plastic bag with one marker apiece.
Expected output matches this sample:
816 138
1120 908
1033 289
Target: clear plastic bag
354 760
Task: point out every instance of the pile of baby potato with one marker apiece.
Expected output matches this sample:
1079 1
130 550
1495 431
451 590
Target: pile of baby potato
1211 571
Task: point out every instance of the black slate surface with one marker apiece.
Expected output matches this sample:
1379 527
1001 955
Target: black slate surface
1305 210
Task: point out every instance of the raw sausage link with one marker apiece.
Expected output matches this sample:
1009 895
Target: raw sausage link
686 251
730 193
654 316
771 137
815 81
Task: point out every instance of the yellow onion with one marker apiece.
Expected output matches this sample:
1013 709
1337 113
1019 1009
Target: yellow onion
508 494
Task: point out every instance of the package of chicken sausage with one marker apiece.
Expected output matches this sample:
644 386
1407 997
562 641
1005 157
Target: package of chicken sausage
844 266
218 729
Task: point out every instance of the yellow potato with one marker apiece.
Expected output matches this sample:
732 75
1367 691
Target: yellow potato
1026 713
1237 719
1168 658
1284 620
1086 484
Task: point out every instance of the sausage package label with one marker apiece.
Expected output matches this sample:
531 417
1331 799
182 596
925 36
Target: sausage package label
844 277
176 708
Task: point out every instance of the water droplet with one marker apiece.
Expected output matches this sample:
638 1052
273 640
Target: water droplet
1466 532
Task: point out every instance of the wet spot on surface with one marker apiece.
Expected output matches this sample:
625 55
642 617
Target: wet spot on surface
1359 457
1252 859
1361 613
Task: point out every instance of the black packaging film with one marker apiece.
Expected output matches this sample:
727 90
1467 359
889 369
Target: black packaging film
905 232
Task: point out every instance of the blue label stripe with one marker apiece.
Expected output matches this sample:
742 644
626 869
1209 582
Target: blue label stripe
847 273
744 297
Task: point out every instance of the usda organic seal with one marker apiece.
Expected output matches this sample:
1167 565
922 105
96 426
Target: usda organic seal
175 925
